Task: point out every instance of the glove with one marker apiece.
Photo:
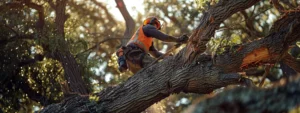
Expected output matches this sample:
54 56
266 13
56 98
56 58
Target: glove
183 39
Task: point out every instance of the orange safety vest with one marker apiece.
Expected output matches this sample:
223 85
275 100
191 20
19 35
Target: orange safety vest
141 40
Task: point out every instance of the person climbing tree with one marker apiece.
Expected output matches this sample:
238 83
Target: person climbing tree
135 55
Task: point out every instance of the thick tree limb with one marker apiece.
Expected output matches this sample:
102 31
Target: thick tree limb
254 100
73 71
261 51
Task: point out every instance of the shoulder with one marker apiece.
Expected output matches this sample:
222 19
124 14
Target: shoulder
149 30
149 27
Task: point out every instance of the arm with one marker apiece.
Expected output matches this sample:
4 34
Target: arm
154 52
151 31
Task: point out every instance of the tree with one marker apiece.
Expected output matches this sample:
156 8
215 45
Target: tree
41 51
54 46
190 71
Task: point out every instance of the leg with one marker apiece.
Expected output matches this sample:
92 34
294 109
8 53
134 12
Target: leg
147 60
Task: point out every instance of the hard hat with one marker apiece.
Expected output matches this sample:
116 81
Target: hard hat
153 21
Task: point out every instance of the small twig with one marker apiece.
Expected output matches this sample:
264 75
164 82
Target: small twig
167 53
267 71
252 13
16 33
105 40
277 5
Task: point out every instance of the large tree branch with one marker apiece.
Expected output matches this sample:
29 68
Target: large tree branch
130 24
240 100
262 51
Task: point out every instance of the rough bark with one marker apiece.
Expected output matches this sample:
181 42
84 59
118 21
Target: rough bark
73 71
204 74
244 100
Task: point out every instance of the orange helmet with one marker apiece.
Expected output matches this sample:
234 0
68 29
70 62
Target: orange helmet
153 21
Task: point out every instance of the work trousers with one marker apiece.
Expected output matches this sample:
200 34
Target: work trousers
137 58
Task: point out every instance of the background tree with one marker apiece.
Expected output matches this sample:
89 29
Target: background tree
44 46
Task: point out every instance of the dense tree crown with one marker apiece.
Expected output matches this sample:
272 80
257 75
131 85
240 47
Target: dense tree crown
58 54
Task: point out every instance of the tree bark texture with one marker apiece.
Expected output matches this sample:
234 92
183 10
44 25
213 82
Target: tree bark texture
73 71
202 75
254 100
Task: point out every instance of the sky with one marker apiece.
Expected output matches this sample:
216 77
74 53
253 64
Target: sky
133 6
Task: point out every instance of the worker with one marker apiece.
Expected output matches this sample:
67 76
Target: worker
136 53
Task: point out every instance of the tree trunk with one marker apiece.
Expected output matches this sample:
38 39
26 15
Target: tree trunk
202 75
73 71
